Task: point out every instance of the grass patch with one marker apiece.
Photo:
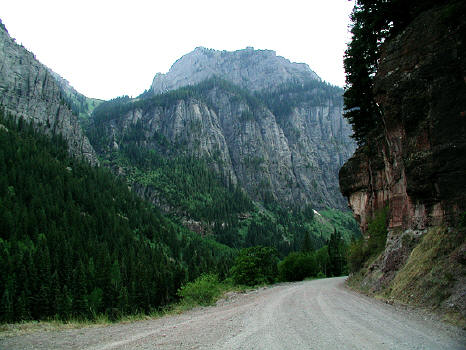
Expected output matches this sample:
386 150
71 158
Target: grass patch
429 274
27 327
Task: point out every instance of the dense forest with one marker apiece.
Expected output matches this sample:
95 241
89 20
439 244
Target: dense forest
75 242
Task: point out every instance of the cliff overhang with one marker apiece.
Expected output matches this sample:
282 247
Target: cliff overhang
416 163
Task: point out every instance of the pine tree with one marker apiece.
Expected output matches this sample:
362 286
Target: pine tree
7 301
80 306
41 297
336 254
307 243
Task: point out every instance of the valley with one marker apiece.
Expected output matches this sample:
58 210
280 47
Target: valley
237 192
110 207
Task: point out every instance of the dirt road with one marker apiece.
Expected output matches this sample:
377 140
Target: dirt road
320 314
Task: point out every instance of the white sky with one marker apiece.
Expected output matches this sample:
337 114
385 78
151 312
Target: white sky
109 48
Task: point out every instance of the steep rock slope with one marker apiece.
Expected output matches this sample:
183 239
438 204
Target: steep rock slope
291 156
28 89
416 165
251 69
267 124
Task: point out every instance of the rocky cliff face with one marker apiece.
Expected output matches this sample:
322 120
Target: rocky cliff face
286 142
29 90
251 69
416 165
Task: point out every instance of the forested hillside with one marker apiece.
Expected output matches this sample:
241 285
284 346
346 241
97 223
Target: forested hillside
199 189
75 242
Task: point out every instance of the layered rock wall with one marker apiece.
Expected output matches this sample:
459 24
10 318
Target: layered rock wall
417 164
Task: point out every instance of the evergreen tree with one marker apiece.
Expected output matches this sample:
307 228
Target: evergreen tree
336 253
374 21
80 305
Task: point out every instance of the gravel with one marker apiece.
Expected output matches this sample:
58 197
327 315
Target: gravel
319 314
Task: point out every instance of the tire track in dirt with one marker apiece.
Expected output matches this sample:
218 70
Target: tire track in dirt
319 314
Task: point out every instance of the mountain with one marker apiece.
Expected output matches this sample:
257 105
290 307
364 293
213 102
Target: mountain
414 163
253 70
28 89
221 168
270 126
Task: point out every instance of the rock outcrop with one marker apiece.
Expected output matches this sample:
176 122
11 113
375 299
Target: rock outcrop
250 69
416 165
289 154
29 90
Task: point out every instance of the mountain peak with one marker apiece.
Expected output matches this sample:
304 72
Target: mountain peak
249 68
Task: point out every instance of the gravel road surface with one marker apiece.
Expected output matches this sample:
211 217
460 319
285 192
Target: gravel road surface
319 314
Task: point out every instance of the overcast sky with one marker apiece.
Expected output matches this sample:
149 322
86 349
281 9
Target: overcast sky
111 48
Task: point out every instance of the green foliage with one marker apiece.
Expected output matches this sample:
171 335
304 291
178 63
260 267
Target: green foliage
357 255
337 255
224 210
320 275
361 250
462 222
186 183
434 265
297 266
343 222
192 188
374 21
285 97
80 105
255 265
76 243
204 290
377 231
330 260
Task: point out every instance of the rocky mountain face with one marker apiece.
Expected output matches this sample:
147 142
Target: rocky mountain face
416 165
28 89
283 138
254 70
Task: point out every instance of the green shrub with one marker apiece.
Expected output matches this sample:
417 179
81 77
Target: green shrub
361 250
377 232
298 266
357 255
255 265
204 290
321 275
